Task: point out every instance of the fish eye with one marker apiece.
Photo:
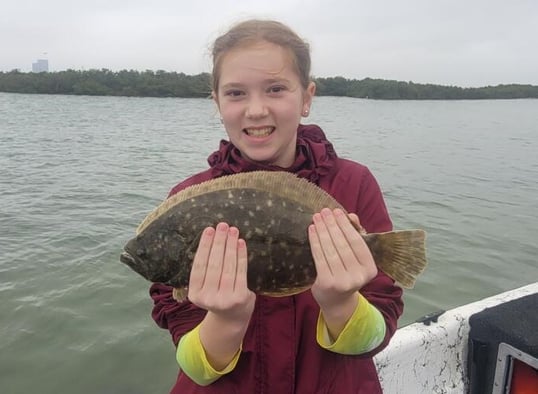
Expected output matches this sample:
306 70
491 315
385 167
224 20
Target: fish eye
141 252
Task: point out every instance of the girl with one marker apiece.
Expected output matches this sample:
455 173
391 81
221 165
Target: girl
320 341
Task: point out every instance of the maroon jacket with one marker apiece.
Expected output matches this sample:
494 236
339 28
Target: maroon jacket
280 353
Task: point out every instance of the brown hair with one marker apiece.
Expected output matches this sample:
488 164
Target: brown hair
253 31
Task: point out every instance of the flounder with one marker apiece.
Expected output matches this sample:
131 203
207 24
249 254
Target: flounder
272 211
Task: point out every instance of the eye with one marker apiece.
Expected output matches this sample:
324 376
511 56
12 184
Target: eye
234 93
276 89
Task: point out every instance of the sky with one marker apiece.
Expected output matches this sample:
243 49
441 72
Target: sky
468 43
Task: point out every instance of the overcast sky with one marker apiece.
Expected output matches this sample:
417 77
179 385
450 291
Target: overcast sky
449 42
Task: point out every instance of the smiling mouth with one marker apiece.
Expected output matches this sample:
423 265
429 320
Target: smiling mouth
258 132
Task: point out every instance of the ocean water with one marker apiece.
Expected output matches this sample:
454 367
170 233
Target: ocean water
77 175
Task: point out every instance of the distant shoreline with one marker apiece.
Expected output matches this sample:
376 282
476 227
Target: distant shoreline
160 83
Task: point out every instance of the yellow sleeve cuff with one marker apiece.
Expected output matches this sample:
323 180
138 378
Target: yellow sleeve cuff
192 359
364 331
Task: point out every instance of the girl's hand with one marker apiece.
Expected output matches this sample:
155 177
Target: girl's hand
344 265
218 280
218 284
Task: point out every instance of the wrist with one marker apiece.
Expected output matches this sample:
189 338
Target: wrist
221 338
341 310
226 323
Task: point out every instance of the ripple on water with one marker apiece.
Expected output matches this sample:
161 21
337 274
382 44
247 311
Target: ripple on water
84 171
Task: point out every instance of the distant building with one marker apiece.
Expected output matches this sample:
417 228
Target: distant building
40 66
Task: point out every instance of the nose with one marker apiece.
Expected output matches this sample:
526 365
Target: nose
256 108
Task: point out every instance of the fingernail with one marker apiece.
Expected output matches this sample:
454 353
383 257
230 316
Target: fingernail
222 227
326 212
338 212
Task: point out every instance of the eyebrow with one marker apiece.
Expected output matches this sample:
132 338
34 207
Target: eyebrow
264 82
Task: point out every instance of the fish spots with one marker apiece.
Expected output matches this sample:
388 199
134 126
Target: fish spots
259 283
272 223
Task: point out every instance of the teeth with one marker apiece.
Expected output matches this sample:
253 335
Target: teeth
261 132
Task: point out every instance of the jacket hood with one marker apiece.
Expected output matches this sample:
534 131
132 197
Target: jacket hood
314 157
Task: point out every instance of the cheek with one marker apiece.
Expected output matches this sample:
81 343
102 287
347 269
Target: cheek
230 113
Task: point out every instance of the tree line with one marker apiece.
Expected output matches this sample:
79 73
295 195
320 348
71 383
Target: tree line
160 83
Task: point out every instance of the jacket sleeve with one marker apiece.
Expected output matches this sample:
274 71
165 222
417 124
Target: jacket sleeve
177 317
381 291
358 191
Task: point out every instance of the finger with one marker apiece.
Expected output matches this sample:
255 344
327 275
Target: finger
242 265
216 256
334 220
354 239
229 268
199 264
322 268
354 219
323 222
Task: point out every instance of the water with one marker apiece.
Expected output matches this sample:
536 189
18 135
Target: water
77 174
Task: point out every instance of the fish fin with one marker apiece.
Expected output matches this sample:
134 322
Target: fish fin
180 293
285 292
284 184
399 254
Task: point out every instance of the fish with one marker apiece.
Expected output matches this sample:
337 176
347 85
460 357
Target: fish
272 210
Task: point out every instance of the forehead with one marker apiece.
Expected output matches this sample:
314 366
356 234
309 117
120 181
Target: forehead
261 59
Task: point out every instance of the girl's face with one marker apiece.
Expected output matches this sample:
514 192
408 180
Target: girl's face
261 101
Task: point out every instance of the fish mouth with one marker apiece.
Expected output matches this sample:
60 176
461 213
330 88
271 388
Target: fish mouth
127 258
259 132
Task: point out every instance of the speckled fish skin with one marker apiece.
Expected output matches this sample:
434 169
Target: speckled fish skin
272 211
274 228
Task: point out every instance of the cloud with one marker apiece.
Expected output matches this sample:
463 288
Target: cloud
450 42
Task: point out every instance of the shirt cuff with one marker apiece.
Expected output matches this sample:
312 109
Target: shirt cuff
364 331
192 359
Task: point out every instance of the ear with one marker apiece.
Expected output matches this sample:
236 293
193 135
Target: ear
311 89
308 96
215 98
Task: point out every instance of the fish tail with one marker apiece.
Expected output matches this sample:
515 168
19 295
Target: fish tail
399 254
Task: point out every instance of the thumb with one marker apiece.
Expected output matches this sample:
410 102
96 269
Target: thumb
354 219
